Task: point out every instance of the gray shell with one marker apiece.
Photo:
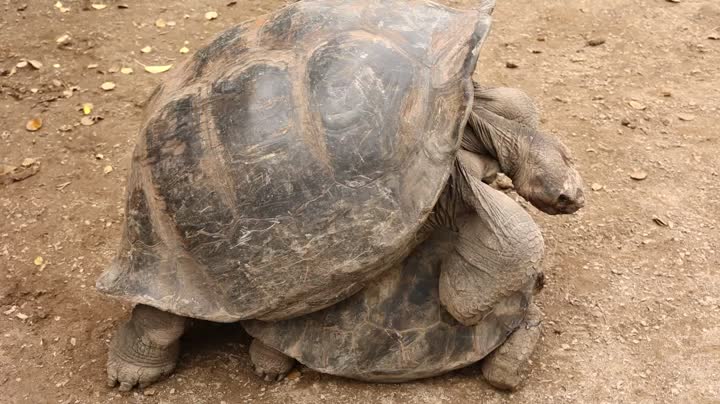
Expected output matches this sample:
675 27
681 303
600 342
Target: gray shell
295 157
396 329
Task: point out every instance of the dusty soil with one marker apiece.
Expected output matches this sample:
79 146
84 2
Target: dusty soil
632 302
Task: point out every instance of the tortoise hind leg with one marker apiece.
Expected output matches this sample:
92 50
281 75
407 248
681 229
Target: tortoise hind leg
270 364
145 349
506 368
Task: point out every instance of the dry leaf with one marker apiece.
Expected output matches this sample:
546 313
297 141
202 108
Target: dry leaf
637 105
160 23
146 49
38 261
107 169
639 175
184 50
126 70
157 69
685 117
107 86
211 15
87 108
660 221
35 64
34 124
99 6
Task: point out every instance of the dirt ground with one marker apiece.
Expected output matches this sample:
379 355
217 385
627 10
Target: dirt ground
632 298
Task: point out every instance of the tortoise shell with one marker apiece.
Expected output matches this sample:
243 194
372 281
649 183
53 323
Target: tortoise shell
395 329
295 157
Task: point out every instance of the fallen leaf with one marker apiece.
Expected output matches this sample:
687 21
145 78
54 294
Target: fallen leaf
87 108
184 50
107 86
232 3
660 221
62 186
35 64
107 169
157 69
160 23
637 105
685 117
639 175
38 261
146 49
126 70
211 15
34 124
99 6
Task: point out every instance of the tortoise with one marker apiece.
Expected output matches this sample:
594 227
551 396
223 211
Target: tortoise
400 327
288 163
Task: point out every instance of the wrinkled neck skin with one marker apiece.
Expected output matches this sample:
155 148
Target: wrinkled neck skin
506 141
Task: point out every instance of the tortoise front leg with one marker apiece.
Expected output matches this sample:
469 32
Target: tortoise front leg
498 252
144 349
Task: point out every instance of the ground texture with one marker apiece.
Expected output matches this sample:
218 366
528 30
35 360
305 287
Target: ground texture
632 298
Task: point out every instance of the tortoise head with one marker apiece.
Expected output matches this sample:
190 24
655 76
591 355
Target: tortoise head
548 179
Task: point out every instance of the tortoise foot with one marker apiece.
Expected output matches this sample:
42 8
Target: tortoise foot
507 367
270 364
145 349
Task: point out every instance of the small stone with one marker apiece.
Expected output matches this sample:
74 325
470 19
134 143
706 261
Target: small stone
149 392
73 341
666 93
511 65
63 40
686 117
565 347
673 1
674 391
596 41
146 49
107 86
294 375
637 105
22 316
126 70
107 169
596 187
211 15
503 182
639 175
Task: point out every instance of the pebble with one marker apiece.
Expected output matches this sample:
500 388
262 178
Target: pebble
511 65
149 392
596 42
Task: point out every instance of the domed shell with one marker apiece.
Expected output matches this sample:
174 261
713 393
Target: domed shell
295 157
395 329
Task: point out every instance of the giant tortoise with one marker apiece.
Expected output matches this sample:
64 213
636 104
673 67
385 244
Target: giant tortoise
291 161
402 326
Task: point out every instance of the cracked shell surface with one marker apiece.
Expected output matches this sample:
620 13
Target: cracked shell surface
294 158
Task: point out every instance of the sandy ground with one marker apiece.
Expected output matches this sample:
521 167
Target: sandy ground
632 302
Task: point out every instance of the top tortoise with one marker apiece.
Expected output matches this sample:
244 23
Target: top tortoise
292 160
